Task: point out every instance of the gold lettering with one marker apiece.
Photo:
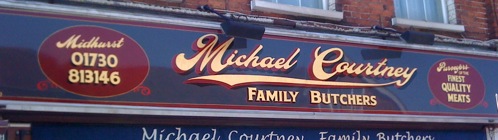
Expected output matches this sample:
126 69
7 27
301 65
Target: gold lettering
344 99
315 97
74 42
359 100
458 98
257 95
351 99
261 96
272 96
208 54
456 68
279 63
293 95
456 87
348 68
456 78
251 92
326 99
335 96
317 65
374 100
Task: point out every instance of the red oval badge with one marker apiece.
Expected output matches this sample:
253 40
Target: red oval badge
93 61
456 84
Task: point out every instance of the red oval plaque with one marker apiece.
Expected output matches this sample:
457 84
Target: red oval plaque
93 61
456 84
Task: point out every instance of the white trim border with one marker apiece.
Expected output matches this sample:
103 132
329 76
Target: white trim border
407 23
262 114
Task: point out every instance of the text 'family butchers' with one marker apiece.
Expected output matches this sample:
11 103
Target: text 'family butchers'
214 134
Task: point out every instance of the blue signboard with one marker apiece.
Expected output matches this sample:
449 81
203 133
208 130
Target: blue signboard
73 59
124 132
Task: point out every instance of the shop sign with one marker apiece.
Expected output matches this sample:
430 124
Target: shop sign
99 61
95 61
102 132
456 83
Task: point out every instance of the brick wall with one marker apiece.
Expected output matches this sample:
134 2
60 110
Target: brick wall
492 12
366 12
476 15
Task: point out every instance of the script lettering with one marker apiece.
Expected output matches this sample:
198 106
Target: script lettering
350 68
74 42
209 56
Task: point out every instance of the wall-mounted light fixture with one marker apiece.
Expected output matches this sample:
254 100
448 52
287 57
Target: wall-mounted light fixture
237 29
411 36
418 37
